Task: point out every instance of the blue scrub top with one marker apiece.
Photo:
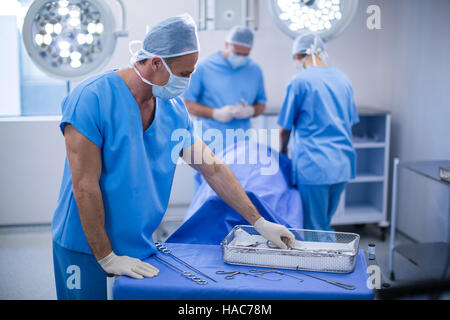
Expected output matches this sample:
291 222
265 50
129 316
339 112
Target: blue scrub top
216 84
137 167
320 108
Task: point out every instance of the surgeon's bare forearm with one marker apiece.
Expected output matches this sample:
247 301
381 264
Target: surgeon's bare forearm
92 215
221 179
284 140
86 165
199 110
228 188
259 109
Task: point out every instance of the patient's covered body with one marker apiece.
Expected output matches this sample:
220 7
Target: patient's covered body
265 176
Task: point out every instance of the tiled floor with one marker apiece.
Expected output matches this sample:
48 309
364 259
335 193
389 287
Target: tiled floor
26 267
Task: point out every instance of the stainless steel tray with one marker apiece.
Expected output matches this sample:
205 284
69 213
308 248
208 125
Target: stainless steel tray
320 251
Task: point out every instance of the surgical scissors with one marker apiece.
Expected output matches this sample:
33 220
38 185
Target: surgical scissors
166 250
261 272
186 274
231 274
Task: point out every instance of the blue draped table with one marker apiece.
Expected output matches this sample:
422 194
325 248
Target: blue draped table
170 285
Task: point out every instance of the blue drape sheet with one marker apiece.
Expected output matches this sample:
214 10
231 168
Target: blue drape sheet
170 285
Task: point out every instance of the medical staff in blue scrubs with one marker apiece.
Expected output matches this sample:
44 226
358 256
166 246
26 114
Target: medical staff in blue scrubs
124 132
227 89
320 109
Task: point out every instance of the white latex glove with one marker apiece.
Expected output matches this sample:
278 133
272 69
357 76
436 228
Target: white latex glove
225 114
124 265
244 112
278 234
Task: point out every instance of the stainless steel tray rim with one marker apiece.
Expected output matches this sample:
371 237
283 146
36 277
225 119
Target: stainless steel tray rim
293 229
289 252
293 269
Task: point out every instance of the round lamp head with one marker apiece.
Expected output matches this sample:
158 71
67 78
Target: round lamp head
69 38
327 18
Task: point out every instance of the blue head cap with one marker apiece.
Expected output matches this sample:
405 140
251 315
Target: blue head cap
242 36
308 43
173 37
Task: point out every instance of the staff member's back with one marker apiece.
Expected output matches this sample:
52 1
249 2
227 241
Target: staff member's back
320 109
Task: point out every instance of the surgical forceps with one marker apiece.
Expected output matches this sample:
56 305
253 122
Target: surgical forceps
186 274
262 272
166 250
231 274
339 284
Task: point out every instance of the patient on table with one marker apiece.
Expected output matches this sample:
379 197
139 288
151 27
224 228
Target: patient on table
265 176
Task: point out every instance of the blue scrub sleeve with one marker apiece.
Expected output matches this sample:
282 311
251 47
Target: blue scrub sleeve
354 117
290 109
192 136
261 97
194 92
82 112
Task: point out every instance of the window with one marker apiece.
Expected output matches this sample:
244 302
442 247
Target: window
25 90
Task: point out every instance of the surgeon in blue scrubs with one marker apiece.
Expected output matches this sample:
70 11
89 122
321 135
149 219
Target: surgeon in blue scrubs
124 132
227 89
320 109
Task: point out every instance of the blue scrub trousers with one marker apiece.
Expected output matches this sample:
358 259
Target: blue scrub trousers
78 276
320 203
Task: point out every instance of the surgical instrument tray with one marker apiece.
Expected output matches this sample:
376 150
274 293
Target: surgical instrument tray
320 251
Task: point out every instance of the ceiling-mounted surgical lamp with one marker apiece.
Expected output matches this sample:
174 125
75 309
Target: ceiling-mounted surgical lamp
327 18
68 39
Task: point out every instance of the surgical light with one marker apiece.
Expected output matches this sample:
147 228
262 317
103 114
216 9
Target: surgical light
71 38
327 18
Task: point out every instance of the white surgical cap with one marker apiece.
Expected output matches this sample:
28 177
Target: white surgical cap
310 44
173 37
242 36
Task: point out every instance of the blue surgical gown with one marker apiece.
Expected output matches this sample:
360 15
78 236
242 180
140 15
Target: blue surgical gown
137 166
320 109
216 84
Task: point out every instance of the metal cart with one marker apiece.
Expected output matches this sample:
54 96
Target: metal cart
429 257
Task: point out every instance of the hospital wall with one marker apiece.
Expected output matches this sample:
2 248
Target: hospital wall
392 68
420 104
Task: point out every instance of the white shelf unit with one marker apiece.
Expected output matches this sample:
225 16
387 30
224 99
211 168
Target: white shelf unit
365 198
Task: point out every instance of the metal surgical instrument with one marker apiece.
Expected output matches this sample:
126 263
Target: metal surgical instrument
272 245
166 250
254 245
262 272
339 284
186 274
231 274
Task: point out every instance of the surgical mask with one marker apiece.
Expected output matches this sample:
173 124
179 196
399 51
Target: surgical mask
237 61
176 86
